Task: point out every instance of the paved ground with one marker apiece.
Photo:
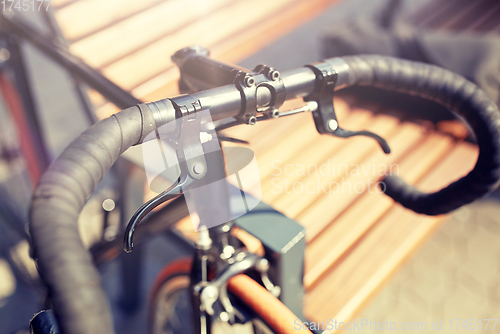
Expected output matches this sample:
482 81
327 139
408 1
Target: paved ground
455 275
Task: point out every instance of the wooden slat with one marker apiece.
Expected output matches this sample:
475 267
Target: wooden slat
350 227
237 47
82 18
352 153
355 281
232 50
369 264
303 134
297 140
96 98
107 46
149 61
319 215
262 140
315 154
61 3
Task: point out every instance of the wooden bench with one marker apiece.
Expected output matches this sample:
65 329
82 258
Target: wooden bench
356 237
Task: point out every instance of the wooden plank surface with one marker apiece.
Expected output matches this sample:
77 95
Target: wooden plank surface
235 47
394 237
351 226
59 4
83 18
107 46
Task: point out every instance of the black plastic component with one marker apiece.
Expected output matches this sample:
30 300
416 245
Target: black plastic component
324 117
284 243
44 322
199 72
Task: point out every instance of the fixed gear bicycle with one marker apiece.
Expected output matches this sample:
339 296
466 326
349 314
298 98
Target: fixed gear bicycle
232 292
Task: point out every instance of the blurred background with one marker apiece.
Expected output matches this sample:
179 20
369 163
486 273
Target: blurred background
366 257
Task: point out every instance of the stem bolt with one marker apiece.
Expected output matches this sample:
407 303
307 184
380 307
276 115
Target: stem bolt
250 120
275 113
274 75
249 81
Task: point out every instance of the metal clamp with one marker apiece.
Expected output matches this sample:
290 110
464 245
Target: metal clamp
245 82
186 105
325 118
190 147
262 91
276 87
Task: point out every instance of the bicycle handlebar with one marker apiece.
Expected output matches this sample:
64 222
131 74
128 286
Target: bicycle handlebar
455 93
66 267
74 284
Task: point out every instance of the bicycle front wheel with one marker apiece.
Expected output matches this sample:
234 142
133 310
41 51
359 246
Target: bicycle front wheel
170 308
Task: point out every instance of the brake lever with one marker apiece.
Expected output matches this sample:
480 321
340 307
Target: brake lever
183 182
231 139
342 133
324 116
192 163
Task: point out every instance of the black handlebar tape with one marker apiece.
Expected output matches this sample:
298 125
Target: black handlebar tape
74 284
457 94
